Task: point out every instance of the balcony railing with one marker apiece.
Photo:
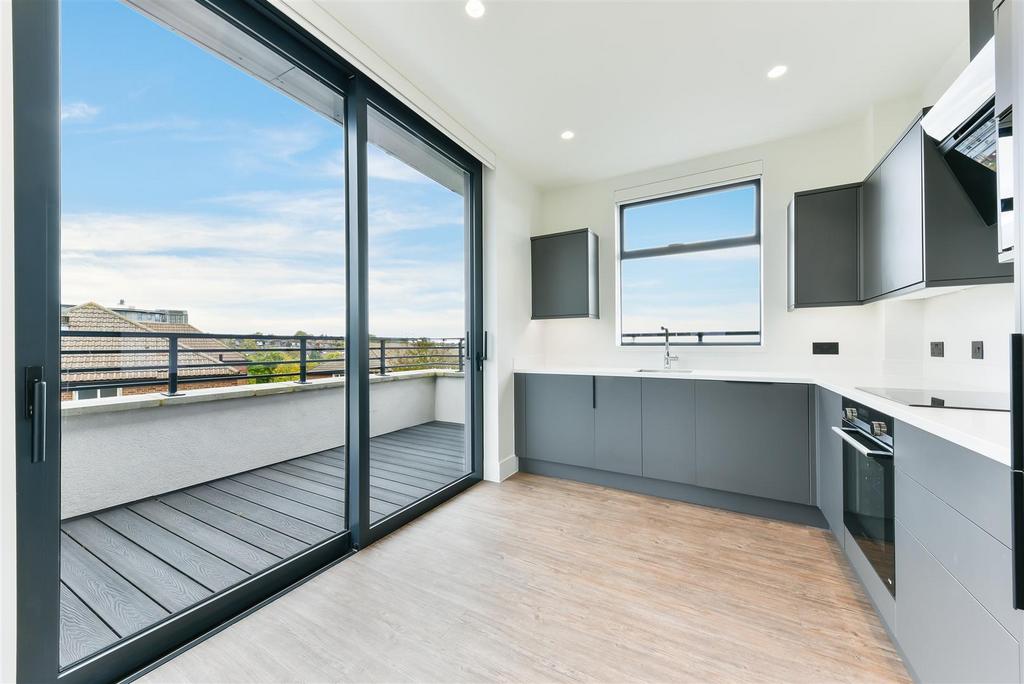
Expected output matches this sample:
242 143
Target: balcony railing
693 337
101 359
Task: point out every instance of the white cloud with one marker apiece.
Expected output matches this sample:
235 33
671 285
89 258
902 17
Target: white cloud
78 111
282 270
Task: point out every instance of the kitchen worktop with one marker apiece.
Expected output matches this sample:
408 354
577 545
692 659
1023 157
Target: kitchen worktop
986 432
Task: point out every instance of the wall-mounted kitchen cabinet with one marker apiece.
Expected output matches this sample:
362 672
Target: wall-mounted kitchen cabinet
823 235
919 228
564 275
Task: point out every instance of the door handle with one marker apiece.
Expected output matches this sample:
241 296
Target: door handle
35 410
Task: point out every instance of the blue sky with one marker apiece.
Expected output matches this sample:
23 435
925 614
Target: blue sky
187 183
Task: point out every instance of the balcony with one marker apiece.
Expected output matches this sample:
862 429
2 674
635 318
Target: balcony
206 476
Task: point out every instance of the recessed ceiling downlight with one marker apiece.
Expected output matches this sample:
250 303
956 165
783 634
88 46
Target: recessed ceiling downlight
568 135
777 71
475 8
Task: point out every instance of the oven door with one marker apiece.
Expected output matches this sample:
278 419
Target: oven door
869 502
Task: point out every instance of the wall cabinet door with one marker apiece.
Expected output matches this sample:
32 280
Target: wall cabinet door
560 419
892 229
669 434
823 247
752 438
618 432
564 275
830 461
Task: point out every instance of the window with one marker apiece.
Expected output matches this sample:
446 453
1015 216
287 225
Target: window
691 263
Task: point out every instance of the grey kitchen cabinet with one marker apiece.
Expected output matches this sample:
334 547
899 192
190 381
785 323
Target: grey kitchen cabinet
564 275
1005 83
753 438
823 235
892 238
559 412
829 453
618 430
944 632
918 226
669 429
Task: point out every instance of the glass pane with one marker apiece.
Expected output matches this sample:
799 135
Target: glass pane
700 292
697 217
202 257
417 317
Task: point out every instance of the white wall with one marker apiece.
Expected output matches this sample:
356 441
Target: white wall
511 212
8 568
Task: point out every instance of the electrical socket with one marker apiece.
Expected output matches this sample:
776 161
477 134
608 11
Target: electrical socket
938 348
977 349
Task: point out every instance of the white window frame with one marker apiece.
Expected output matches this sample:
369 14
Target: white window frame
78 398
709 181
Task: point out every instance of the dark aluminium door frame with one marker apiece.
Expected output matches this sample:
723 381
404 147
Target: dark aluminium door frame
36 48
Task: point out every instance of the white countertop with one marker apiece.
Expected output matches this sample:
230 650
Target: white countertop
986 432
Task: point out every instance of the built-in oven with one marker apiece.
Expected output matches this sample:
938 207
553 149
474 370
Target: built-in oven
868 486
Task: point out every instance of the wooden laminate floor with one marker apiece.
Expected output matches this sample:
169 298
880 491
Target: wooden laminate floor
539 579
127 568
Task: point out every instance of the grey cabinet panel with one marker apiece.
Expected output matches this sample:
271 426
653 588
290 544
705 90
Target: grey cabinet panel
974 485
871 236
752 438
823 247
974 557
519 417
560 419
669 435
946 635
564 275
1005 83
902 255
830 462
618 436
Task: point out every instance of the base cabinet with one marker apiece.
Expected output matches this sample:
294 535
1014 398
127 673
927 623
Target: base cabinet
669 435
617 437
752 438
946 634
560 419
829 452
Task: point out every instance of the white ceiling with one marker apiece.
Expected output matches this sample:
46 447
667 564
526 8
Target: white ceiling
650 83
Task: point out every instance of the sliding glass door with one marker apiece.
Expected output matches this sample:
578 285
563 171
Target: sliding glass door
418 202
248 321
202 316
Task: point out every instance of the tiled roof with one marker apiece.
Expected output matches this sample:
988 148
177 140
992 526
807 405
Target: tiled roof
141 352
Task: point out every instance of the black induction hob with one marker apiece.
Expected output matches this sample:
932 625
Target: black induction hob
952 399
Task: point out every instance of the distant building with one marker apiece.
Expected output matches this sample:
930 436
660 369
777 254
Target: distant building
133 364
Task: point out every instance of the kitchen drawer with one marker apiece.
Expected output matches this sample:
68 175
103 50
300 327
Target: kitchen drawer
974 485
945 634
974 557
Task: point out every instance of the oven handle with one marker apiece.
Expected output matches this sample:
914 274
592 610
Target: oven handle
874 453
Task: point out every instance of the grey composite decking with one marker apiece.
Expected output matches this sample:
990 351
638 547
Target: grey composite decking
127 568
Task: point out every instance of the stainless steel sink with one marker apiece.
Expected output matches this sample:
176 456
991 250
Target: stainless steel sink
664 370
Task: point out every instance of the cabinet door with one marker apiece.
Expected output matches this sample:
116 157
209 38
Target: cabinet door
752 438
618 425
830 461
903 214
824 262
871 236
560 419
564 275
668 429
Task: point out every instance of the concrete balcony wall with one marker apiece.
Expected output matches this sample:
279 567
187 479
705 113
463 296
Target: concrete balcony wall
118 450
